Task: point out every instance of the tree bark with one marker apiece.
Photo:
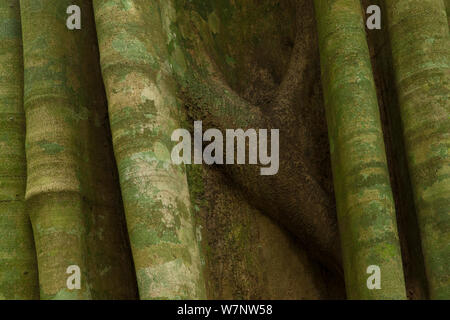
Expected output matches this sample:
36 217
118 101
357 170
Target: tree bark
420 42
296 196
70 192
365 205
144 111
18 269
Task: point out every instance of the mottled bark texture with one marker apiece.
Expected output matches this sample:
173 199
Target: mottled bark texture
365 205
76 102
71 196
18 269
447 7
219 53
144 111
412 257
420 41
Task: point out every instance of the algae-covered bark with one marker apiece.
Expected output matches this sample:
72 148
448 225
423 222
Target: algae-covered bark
420 41
447 7
71 199
223 232
365 205
412 257
144 111
231 79
18 269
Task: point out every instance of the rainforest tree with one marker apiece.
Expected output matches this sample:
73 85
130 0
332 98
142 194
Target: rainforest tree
365 204
421 56
87 112
18 270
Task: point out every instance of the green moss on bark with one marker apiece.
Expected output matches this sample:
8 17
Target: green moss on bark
365 206
144 111
18 268
420 41
71 196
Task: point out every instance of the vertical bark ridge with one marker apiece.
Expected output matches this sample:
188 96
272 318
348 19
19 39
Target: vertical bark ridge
420 41
365 206
18 268
143 113
447 7
70 193
408 229
295 196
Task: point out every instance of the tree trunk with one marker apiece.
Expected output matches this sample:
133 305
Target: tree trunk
87 181
18 273
70 195
365 205
144 111
421 50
